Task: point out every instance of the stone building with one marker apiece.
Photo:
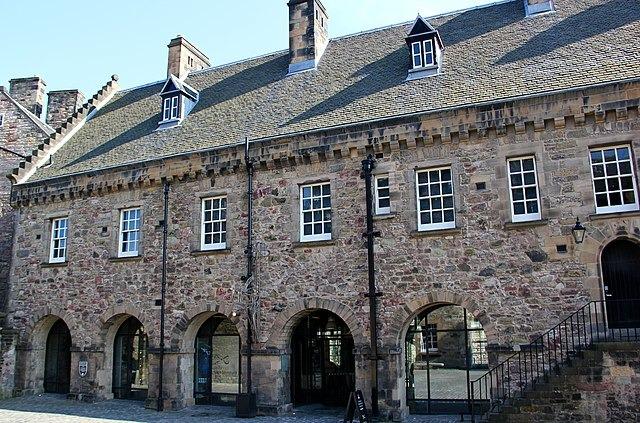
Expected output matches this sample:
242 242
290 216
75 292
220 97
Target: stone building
492 130
21 130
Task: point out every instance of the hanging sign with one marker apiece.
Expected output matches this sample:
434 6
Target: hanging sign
356 407
83 367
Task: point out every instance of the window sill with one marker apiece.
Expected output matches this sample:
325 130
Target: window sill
125 259
436 233
47 264
603 216
384 216
308 244
527 224
211 252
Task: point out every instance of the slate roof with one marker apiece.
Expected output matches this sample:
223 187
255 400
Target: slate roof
491 53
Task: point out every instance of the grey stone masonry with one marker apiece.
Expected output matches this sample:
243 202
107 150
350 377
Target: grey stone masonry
61 104
29 92
308 34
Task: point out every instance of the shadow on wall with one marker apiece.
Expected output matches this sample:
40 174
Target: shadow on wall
591 22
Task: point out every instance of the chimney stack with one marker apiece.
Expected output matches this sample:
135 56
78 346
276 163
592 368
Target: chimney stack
534 7
184 57
61 105
29 92
308 34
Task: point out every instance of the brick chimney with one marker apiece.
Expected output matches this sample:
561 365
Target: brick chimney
184 57
61 105
29 92
308 34
534 7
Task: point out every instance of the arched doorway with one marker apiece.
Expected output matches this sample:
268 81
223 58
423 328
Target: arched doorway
130 361
57 363
217 362
621 278
322 362
445 349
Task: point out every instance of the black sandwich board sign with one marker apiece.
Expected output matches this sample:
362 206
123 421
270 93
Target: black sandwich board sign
356 407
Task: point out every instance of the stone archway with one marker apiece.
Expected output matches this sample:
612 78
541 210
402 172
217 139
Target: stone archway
110 324
284 324
398 327
35 347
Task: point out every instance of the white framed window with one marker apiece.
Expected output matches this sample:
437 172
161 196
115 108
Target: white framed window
175 107
614 181
129 235
523 189
315 212
382 195
171 108
166 109
58 247
428 53
416 52
213 230
434 191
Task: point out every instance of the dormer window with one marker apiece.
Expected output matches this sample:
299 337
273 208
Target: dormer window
178 99
171 108
422 53
426 50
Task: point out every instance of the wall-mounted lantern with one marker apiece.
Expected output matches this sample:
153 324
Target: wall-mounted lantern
578 231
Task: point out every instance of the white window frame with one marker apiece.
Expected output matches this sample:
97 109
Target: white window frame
221 220
166 109
121 232
526 217
622 207
431 51
440 225
415 55
175 107
57 239
377 197
324 236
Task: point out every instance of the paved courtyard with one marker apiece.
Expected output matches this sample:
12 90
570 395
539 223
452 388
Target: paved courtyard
50 408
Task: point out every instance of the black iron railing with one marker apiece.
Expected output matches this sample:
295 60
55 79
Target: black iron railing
597 321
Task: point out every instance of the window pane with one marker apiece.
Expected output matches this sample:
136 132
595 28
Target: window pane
625 168
434 176
596 156
628 197
383 182
598 171
316 191
612 169
447 188
600 185
448 216
516 180
601 200
307 217
306 192
531 193
384 202
527 164
435 189
518 194
425 218
448 202
514 166
615 199
613 184
518 208
529 178
436 217
609 155
423 178
532 207
626 182
623 153
425 205
326 189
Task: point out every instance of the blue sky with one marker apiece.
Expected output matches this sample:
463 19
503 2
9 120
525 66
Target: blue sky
75 44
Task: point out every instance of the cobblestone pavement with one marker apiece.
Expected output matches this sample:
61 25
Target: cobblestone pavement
56 409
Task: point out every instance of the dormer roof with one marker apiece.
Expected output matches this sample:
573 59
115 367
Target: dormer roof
421 28
173 84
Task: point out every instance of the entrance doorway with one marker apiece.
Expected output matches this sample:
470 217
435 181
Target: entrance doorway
445 349
57 367
217 362
322 363
620 264
130 361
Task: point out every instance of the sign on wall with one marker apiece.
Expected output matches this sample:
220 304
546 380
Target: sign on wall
83 367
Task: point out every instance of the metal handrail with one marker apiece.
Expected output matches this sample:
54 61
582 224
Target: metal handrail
597 321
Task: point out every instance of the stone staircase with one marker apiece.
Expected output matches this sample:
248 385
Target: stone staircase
599 384
42 153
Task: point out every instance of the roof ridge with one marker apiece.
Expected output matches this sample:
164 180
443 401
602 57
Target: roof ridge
44 127
60 136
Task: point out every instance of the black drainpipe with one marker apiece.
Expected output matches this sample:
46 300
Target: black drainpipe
165 224
246 405
367 167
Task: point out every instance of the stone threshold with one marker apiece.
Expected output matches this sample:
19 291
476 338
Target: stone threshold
210 252
311 244
124 259
46 264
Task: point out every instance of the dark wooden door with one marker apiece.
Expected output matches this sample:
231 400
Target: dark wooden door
621 277
57 368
